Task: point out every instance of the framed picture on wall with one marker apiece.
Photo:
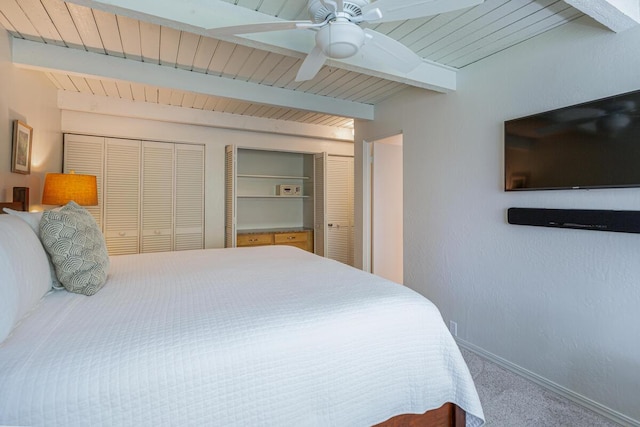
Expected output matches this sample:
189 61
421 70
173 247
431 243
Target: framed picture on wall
22 139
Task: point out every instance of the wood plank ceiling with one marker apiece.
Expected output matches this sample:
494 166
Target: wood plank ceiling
455 39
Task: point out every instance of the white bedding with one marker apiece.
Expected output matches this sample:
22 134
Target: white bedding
267 336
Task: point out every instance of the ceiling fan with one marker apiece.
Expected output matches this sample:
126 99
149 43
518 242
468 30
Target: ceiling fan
339 34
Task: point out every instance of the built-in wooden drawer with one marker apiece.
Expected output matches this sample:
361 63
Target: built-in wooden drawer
255 239
299 239
299 236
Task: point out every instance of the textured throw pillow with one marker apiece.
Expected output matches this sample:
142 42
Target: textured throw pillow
33 219
76 247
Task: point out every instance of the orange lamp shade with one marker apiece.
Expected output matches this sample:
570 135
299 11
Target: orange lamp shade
61 188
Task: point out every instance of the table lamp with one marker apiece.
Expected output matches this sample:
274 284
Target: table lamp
61 188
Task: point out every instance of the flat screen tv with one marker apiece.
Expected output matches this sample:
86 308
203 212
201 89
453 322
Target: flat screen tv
590 145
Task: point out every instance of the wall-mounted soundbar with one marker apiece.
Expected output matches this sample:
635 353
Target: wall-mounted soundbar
581 219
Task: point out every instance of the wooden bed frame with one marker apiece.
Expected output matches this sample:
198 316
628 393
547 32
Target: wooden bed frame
20 200
448 415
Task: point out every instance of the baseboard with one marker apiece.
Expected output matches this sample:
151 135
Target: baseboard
592 405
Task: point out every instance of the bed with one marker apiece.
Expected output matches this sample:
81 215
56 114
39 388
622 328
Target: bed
261 336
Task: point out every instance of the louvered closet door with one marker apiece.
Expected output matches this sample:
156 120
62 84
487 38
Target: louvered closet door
189 191
84 155
340 209
157 197
122 196
231 156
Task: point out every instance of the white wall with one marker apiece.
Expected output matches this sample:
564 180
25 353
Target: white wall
30 97
214 139
563 304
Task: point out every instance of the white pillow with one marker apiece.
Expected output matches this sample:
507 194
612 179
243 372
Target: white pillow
24 272
33 219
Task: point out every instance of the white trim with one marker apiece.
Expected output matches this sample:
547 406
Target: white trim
550 385
367 158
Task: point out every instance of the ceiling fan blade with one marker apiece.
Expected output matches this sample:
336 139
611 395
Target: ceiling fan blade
389 51
259 28
311 65
400 10
371 15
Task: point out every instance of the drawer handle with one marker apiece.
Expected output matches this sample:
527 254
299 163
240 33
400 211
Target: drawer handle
156 232
122 234
291 238
253 240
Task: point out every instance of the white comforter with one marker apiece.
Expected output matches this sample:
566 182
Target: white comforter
269 336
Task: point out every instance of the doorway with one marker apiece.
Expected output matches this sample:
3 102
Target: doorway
383 208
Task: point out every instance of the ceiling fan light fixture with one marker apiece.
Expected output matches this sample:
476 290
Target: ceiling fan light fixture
340 40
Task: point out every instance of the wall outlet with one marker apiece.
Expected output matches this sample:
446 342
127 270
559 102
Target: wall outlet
453 328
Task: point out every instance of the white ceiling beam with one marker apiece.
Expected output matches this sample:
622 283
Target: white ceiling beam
86 103
191 13
198 15
617 15
40 56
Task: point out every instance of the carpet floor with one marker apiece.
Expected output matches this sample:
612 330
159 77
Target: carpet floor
510 400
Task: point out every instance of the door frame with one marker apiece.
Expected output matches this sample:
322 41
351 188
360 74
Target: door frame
367 164
367 187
